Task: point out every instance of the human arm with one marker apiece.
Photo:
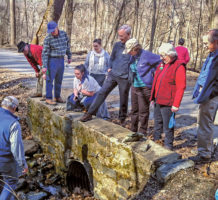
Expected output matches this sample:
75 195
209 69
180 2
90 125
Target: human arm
17 147
68 52
180 87
33 65
45 52
112 57
187 57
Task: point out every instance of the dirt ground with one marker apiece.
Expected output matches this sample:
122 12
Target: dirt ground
199 185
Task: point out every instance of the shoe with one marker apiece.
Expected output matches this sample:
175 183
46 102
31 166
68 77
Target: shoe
134 137
43 98
86 117
59 100
199 159
50 102
35 95
77 110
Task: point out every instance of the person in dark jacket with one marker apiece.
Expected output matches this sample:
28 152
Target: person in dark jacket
142 67
167 91
118 75
206 94
12 159
33 54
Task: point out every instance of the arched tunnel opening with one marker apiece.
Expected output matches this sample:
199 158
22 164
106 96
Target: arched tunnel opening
77 177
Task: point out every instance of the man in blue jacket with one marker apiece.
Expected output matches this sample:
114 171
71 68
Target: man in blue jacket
12 157
117 76
206 94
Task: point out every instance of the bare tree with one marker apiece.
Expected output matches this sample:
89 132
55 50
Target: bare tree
25 13
153 28
12 22
53 12
69 12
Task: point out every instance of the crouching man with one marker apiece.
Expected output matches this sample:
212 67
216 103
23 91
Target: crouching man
12 157
33 54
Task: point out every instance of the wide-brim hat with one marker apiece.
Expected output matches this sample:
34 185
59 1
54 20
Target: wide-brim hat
20 46
130 44
51 26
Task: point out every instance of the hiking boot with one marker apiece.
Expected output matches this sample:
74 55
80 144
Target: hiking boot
86 117
199 159
35 95
50 102
134 137
59 100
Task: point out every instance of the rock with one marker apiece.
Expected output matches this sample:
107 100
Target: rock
21 184
32 164
54 190
36 195
21 195
30 147
166 171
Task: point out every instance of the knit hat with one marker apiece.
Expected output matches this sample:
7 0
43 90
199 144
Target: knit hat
130 44
167 49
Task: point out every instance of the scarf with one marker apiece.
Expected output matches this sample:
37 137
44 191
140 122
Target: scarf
98 67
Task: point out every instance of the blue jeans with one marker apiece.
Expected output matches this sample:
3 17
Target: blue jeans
56 71
86 102
9 175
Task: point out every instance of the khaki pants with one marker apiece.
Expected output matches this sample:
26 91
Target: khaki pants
40 85
206 117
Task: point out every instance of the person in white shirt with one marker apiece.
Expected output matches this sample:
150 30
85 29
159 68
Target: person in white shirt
85 88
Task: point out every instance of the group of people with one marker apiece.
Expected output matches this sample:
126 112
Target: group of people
154 79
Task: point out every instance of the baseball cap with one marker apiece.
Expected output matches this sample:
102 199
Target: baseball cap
130 44
51 26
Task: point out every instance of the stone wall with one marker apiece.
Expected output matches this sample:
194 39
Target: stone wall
119 171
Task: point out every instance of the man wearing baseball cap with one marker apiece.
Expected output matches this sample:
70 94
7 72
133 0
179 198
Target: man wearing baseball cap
12 158
55 47
33 54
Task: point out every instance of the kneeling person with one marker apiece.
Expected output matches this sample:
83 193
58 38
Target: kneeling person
85 89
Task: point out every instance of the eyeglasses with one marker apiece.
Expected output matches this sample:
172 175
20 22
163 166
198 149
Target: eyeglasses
163 56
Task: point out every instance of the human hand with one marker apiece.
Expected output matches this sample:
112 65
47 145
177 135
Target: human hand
69 61
44 76
174 109
109 70
25 170
44 70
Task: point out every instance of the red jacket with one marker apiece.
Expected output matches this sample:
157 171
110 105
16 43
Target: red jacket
36 56
183 54
169 84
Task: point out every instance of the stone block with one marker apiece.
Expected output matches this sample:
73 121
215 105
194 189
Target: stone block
166 171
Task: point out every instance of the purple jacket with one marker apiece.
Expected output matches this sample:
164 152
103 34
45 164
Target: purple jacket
146 66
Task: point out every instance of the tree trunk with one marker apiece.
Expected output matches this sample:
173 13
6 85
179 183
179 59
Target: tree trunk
69 12
95 17
153 25
12 22
25 13
53 12
198 35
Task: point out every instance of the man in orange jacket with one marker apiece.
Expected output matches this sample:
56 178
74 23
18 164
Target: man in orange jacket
33 54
